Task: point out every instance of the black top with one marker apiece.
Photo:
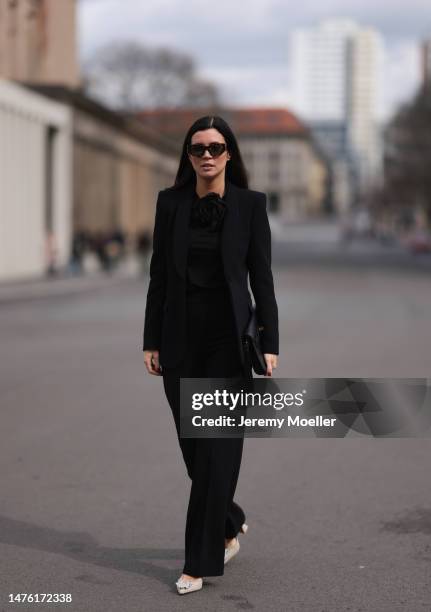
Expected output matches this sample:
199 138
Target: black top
204 262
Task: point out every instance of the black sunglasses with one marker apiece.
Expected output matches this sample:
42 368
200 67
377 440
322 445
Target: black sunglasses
215 149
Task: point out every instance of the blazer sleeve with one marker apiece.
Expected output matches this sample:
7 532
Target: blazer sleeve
157 285
261 279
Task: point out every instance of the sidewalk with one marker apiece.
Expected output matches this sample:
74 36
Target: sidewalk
59 285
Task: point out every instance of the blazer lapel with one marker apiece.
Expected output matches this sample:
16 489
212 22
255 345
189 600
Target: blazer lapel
229 231
180 238
184 198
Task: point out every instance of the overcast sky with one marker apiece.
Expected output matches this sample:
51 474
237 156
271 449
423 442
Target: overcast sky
243 46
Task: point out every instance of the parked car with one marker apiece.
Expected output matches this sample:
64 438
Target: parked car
419 241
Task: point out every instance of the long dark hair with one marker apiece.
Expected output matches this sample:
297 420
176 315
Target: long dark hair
235 170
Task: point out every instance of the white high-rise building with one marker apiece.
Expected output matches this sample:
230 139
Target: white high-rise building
364 87
337 74
318 64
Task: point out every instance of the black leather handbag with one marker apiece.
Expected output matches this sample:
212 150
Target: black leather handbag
252 345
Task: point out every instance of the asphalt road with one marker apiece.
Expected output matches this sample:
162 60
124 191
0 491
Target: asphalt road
94 491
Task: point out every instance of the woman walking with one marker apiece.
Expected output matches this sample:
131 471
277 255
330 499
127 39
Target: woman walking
211 232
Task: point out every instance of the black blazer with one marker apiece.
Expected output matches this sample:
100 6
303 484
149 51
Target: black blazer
246 250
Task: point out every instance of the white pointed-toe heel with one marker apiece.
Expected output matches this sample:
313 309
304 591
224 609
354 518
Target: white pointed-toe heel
188 586
231 551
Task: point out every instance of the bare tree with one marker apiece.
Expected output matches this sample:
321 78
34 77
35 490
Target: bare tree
408 155
129 76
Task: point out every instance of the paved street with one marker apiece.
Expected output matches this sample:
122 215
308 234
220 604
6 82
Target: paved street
93 488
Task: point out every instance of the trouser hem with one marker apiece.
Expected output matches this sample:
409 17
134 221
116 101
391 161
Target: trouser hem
202 572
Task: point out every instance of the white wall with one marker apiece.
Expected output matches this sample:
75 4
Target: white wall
24 118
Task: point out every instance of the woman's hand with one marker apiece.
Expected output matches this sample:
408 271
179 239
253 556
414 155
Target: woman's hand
151 359
271 363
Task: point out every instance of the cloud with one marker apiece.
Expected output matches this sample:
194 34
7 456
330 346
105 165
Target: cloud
244 47
402 74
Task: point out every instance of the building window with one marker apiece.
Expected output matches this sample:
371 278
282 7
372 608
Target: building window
273 202
274 166
274 174
274 157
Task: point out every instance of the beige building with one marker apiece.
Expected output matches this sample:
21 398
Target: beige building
279 153
35 183
38 41
119 166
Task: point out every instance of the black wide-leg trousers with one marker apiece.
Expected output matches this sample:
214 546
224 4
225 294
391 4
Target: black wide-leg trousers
212 464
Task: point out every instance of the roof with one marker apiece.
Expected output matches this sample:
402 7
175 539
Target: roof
244 121
50 112
127 124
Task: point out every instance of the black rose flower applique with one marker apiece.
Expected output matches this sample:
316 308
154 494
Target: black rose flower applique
208 211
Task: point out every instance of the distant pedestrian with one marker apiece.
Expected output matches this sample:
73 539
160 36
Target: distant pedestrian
51 253
143 248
